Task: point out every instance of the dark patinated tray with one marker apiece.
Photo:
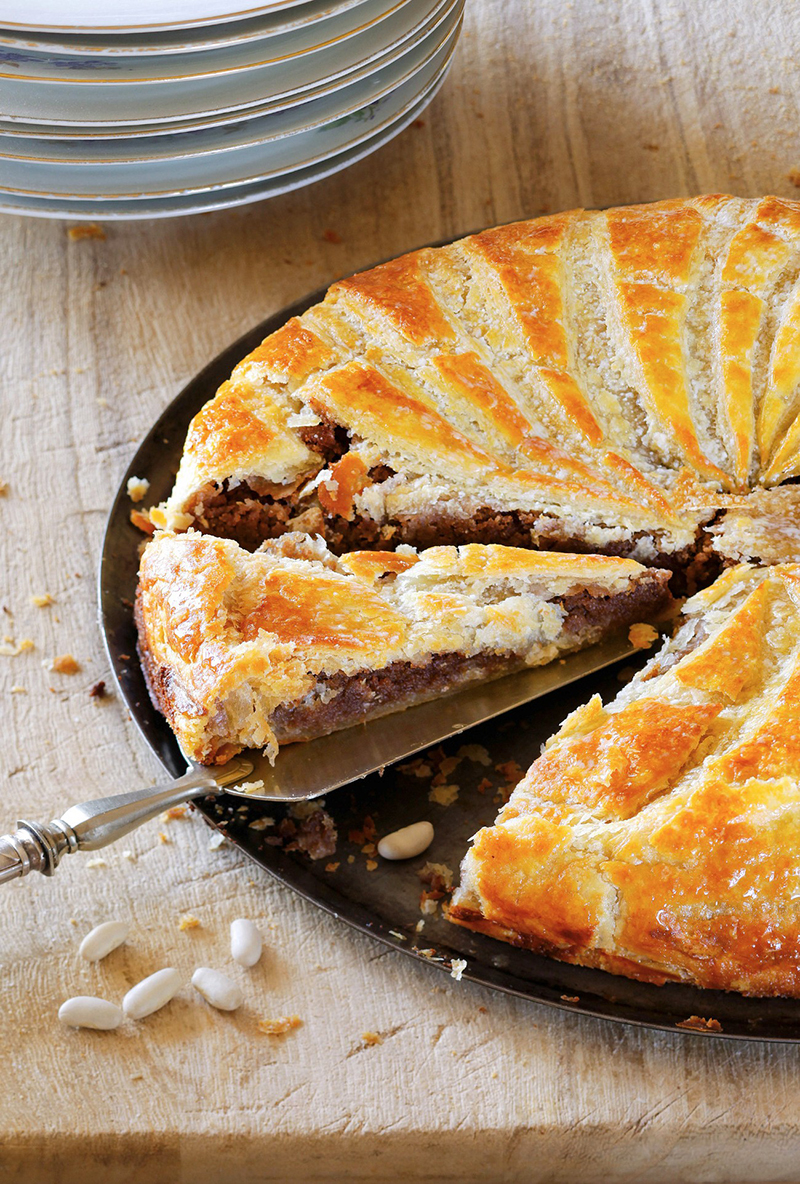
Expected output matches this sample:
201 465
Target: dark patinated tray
384 901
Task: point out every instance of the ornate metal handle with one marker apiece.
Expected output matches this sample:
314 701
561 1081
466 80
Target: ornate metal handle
94 824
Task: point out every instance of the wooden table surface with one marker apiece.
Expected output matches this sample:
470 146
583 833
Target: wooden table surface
550 103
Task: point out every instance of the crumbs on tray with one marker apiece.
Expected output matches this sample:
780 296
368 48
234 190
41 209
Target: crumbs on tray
137 487
443 795
696 1023
642 636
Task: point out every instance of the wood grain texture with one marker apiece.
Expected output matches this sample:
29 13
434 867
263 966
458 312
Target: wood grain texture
549 105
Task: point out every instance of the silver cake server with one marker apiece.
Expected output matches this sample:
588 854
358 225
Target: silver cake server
301 771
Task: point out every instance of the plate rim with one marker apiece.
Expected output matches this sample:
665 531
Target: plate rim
425 91
292 874
22 39
313 123
231 198
390 8
220 19
200 120
437 13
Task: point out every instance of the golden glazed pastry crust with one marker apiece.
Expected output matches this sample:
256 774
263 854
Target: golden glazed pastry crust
249 650
659 837
609 381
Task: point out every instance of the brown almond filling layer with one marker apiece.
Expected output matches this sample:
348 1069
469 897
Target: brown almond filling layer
249 518
353 698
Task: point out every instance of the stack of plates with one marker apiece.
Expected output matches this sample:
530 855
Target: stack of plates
169 107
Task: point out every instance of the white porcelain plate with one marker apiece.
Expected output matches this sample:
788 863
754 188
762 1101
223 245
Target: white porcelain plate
169 41
126 131
347 102
145 102
252 162
173 207
97 16
93 70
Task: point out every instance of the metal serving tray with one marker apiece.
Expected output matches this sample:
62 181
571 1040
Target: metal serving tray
384 902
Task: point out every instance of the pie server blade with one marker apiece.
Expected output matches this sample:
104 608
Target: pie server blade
301 771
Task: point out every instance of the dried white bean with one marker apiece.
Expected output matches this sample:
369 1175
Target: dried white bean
103 939
217 989
246 942
86 1011
406 842
152 993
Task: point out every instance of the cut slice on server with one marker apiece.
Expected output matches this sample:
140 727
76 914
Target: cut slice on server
253 650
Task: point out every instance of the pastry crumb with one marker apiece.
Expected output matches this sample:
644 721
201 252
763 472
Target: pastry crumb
416 768
457 968
142 522
279 1027
188 921
438 875
98 690
172 813
252 786
475 753
428 905
3 488
261 823
443 795
370 1039
446 767
351 858
65 664
43 601
642 636
571 998
331 867
96 862
11 649
86 230
216 841
129 855
371 865
365 834
17 690
137 488
510 771
696 1023
162 838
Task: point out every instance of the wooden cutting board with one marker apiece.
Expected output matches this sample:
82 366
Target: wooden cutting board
549 105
